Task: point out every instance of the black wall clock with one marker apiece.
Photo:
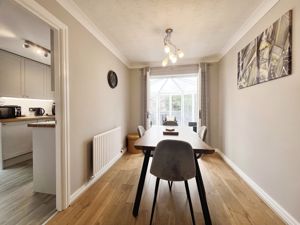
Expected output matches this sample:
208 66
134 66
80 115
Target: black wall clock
112 79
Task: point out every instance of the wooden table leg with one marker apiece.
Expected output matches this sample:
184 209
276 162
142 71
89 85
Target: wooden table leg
202 194
139 191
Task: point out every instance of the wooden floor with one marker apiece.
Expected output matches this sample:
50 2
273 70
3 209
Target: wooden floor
18 204
109 201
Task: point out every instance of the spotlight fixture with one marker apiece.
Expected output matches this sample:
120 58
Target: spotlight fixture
173 52
25 45
39 49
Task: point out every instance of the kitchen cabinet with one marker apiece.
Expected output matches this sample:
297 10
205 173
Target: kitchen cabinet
49 93
10 75
24 78
16 139
34 79
44 158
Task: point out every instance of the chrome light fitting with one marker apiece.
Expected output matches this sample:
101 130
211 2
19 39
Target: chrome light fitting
39 49
173 53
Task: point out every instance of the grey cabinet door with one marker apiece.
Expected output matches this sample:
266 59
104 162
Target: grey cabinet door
49 94
34 84
10 75
16 139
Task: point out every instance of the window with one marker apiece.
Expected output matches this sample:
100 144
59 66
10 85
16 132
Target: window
173 96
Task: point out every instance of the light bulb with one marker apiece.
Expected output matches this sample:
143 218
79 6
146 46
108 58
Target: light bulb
173 57
180 53
167 48
165 62
174 60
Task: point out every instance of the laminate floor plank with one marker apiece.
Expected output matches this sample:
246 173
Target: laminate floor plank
19 205
110 200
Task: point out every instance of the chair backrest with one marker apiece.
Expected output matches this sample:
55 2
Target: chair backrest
170 123
141 131
202 133
173 160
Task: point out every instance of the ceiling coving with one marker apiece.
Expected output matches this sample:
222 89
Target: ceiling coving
205 29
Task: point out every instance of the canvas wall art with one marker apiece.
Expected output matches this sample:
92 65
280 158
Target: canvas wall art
269 56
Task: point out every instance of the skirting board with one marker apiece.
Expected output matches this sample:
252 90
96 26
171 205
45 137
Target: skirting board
54 214
17 159
278 209
84 187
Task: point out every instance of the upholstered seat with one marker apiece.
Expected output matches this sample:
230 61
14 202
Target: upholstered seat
173 161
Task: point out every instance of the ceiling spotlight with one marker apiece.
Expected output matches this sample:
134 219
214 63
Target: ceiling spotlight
173 52
38 49
26 45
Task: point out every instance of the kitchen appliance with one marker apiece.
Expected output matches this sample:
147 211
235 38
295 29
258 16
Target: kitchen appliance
37 111
10 111
53 109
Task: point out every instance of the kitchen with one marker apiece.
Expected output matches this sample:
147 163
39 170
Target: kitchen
27 117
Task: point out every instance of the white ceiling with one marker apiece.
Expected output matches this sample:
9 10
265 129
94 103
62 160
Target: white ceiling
202 28
16 25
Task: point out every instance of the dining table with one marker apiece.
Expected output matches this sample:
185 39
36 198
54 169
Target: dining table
148 142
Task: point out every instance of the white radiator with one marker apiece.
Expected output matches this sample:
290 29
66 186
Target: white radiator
107 148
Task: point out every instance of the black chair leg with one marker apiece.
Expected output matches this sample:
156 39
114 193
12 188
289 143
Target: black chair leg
189 199
154 199
170 183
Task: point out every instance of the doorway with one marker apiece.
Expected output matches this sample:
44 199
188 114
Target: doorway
60 76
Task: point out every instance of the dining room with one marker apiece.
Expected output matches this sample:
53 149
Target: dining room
175 112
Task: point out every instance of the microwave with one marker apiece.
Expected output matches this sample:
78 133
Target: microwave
10 111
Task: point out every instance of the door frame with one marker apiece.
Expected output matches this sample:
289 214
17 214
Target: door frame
61 74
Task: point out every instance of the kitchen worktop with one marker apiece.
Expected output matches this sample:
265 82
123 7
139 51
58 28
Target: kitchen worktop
46 124
25 118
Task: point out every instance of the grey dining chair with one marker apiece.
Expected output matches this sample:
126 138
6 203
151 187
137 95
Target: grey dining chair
141 130
173 160
202 135
203 132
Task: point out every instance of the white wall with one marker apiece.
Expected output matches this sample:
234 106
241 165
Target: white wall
94 106
213 103
28 103
136 100
259 125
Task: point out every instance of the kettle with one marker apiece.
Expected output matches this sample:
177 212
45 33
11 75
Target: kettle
39 111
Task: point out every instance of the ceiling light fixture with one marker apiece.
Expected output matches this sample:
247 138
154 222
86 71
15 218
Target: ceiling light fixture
173 52
39 49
